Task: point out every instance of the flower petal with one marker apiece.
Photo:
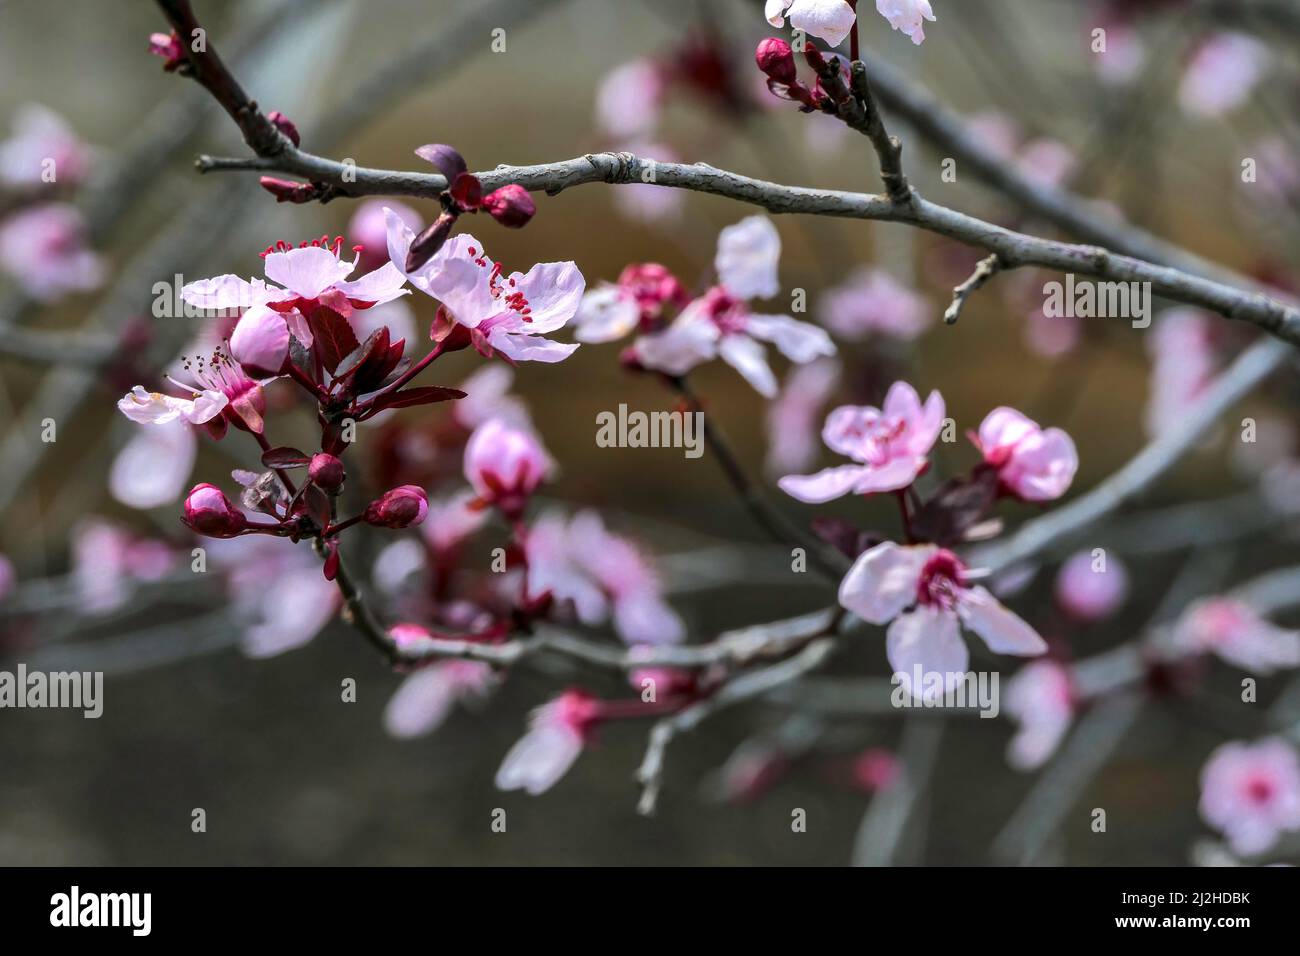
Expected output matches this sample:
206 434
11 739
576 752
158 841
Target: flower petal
883 581
1002 630
929 640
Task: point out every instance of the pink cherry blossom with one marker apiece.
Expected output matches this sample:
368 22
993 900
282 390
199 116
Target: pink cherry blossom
1089 591
426 697
1040 697
629 99
922 593
792 416
829 19
1251 792
1047 162
906 16
311 275
557 733
451 521
876 769
43 248
505 464
222 394
871 301
1033 463
1222 74
511 314
1183 365
1124 55
719 324
889 444
41 136
1237 634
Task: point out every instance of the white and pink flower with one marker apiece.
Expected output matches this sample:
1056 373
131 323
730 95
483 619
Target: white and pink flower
719 324
906 16
225 396
1183 359
890 446
922 593
557 733
510 314
829 19
1251 792
1237 634
425 699
1033 463
312 275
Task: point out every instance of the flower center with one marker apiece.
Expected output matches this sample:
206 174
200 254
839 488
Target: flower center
727 313
942 578
217 372
504 291
1259 790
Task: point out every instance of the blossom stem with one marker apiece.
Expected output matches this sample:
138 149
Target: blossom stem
906 514
853 33
334 529
777 525
411 372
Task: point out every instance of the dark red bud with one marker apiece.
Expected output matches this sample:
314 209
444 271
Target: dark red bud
775 58
815 58
208 511
284 125
286 190
326 472
467 192
401 507
511 206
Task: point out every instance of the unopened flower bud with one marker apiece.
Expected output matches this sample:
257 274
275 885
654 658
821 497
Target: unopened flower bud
445 159
285 126
775 58
167 46
326 472
208 511
511 206
426 245
814 58
401 507
286 190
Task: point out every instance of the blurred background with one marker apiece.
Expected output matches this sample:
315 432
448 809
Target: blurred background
290 774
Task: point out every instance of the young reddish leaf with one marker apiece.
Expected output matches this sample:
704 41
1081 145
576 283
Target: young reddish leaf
284 457
956 507
317 505
376 342
332 337
424 395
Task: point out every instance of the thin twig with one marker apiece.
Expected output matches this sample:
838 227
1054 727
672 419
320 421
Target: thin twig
985 271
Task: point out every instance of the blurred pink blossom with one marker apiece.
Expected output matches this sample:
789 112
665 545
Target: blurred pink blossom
792 417
871 301
1087 593
153 467
42 149
1033 463
557 733
423 701
890 446
921 592
368 228
629 99
1222 73
1237 634
108 561
1040 697
1251 792
43 248
1183 365
505 464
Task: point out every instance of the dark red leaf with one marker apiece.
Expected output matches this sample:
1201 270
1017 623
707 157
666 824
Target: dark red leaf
332 337
317 505
424 395
376 341
285 457
956 507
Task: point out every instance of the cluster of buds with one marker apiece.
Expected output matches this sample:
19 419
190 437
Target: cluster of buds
775 59
510 205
